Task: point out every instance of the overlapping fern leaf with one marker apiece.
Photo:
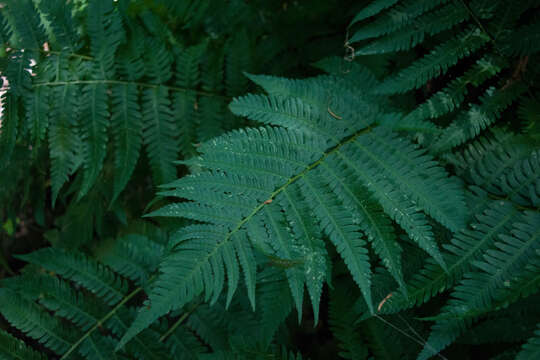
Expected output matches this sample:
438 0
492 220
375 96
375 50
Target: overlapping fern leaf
110 84
77 308
321 171
493 263
476 40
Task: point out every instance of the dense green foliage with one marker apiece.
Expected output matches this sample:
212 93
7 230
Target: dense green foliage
387 162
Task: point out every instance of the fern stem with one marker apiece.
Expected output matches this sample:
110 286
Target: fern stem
178 322
104 319
516 205
289 182
477 20
495 45
123 82
85 57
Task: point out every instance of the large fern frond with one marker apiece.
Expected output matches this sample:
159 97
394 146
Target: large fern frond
288 168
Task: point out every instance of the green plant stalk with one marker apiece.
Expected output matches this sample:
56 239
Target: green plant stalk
104 319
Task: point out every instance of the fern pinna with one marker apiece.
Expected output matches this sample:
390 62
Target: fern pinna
398 184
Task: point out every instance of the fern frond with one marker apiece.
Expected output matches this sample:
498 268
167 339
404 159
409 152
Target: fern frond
27 24
477 291
343 326
57 295
466 247
98 347
210 325
275 301
308 244
106 32
452 96
37 114
82 270
127 131
338 225
135 257
512 324
469 124
436 63
522 183
416 171
144 346
277 236
8 130
531 349
95 120
159 134
158 62
283 111
184 344
522 41
484 160
12 348
5 30
188 75
372 9
427 24
58 13
279 160
368 215
63 141
34 322
190 269
17 73
393 19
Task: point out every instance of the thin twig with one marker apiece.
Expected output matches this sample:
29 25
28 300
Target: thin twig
101 321
178 322
143 84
